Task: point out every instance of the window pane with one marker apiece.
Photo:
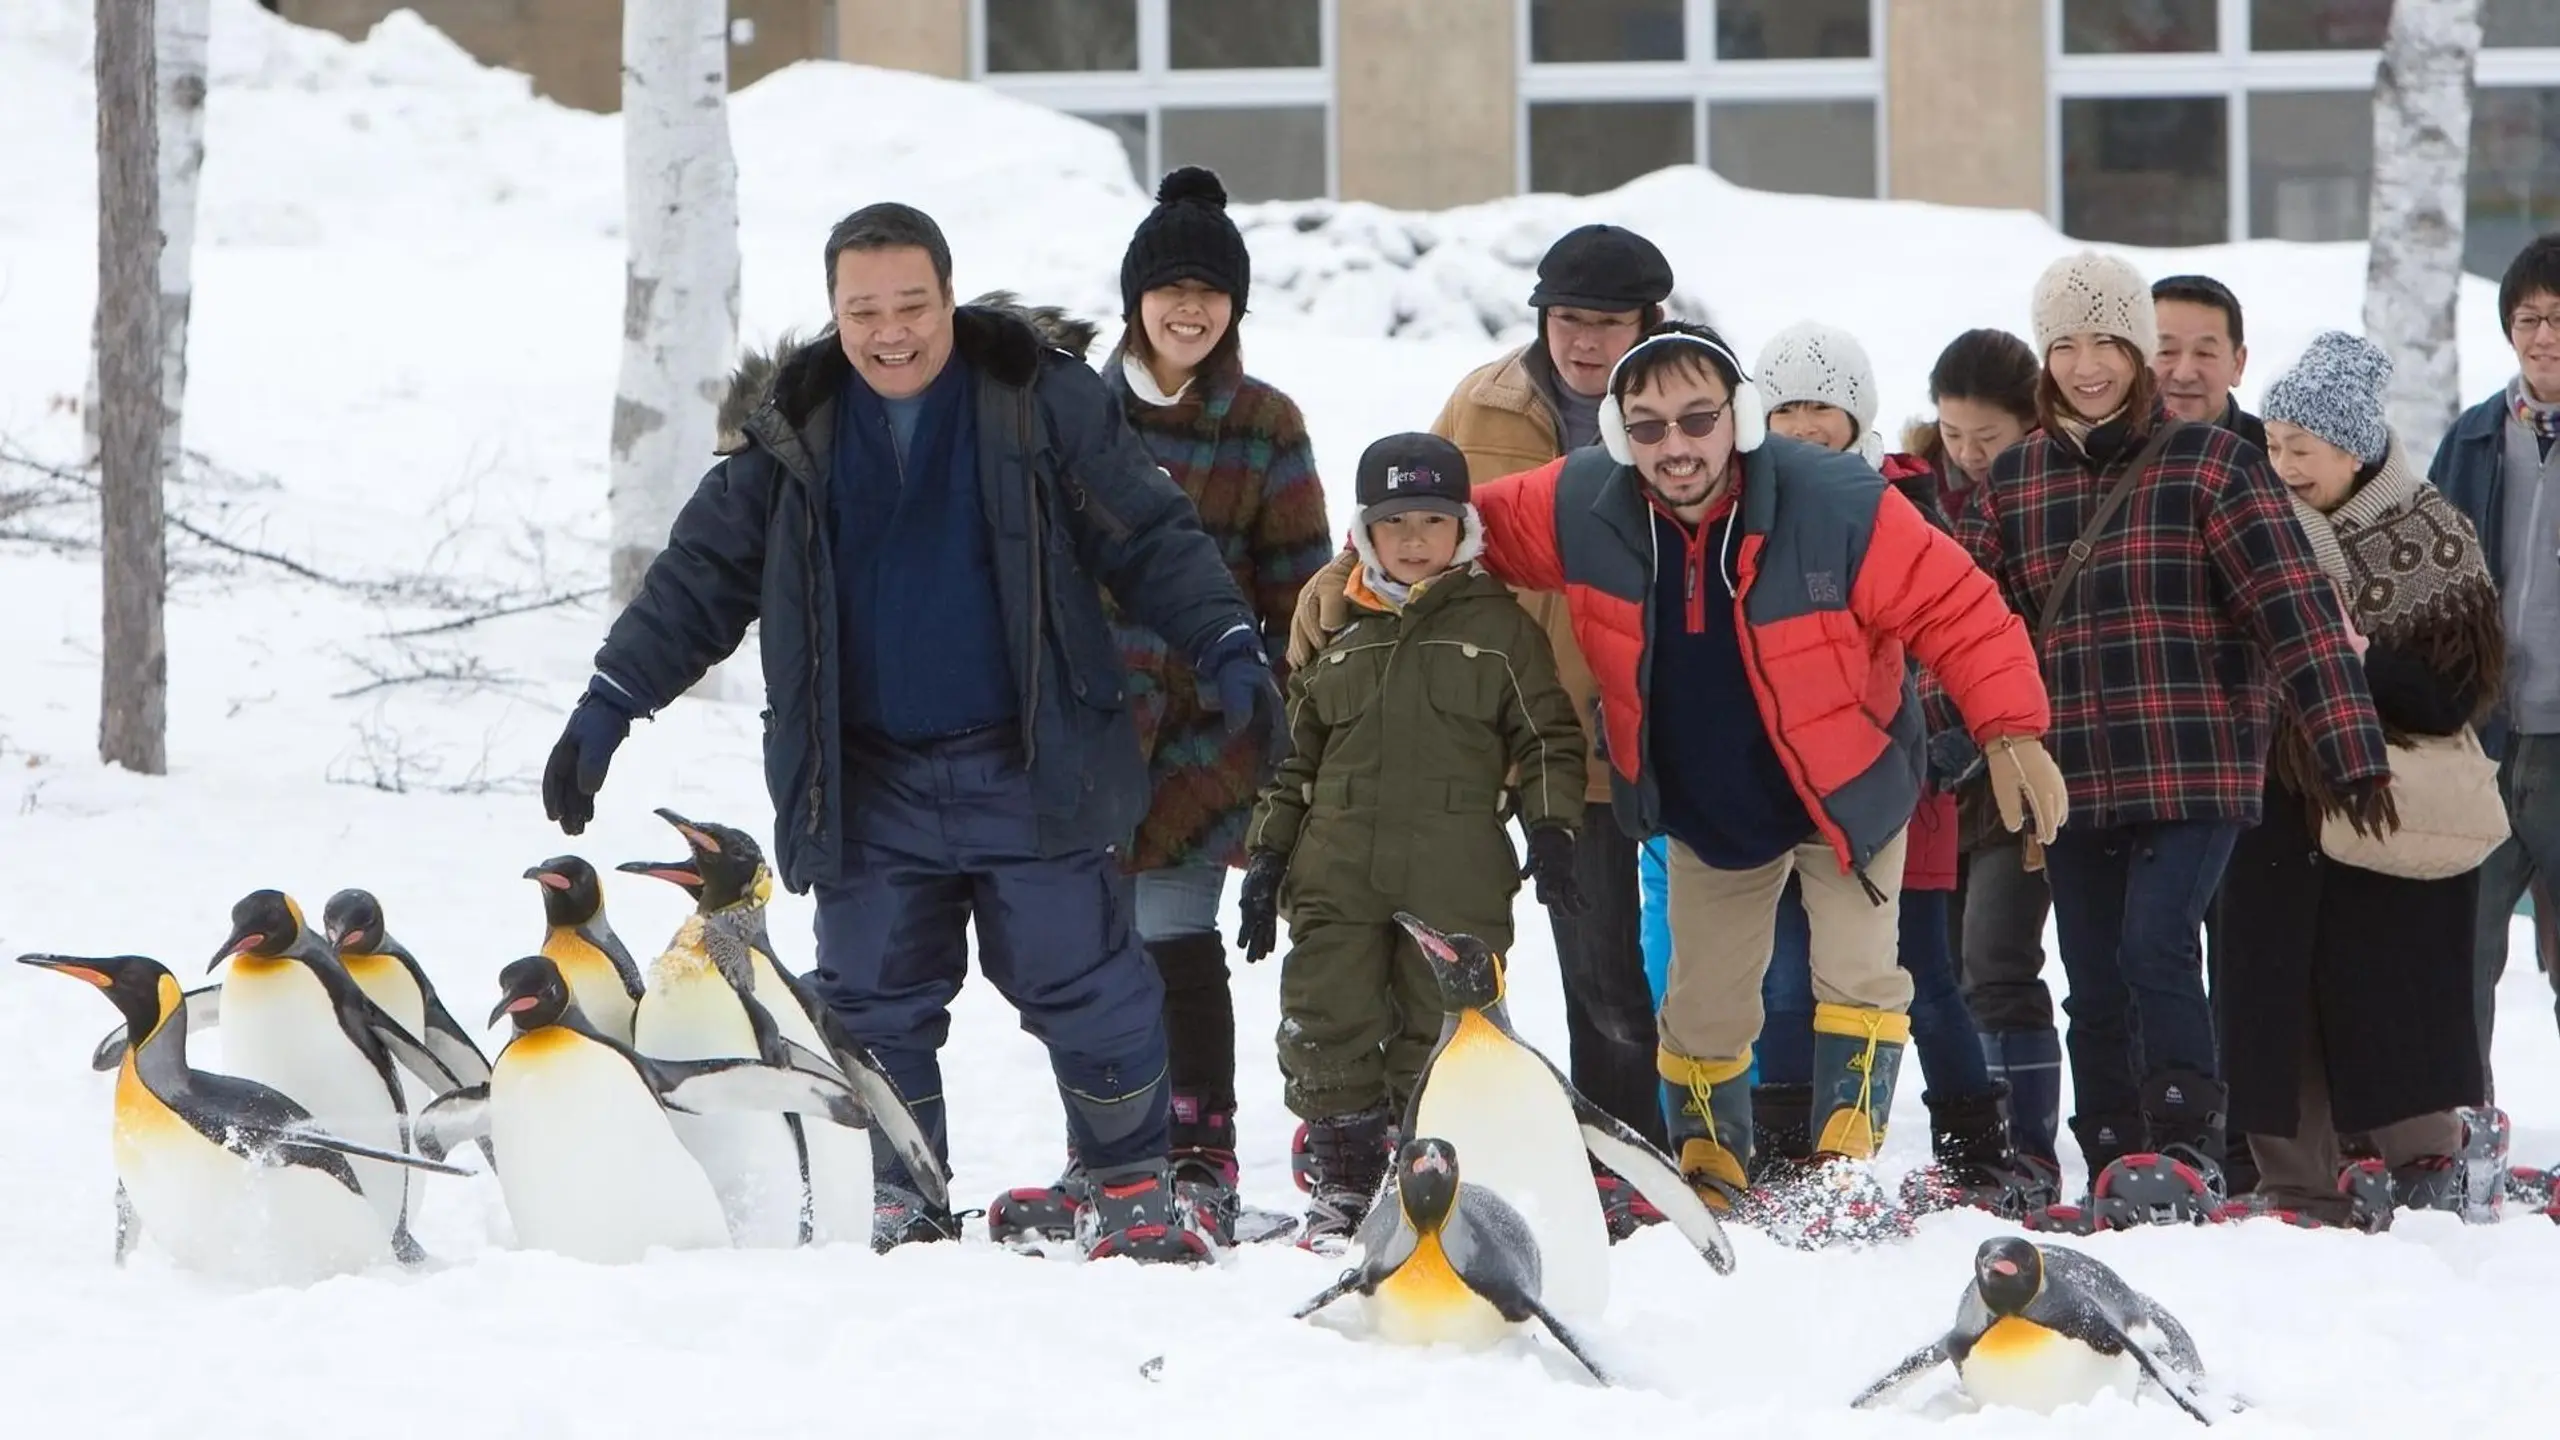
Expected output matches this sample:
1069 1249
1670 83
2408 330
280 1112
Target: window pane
2319 25
1268 153
1043 35
2520 22
1246 34
1584 31
1132 130
2515 175
2145 172
1813 148
2310 165
1792 30
2133 27
1585 147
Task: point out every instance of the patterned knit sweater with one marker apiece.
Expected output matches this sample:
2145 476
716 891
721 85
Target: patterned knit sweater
1239 449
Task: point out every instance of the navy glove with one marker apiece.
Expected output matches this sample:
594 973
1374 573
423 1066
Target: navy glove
1551 864
576 769
1259 899
1953 760
1236 680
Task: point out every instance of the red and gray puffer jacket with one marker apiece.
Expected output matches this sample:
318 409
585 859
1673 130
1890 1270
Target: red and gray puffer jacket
1835 575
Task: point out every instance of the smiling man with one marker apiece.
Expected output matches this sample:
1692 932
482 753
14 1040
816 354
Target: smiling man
922 514
1745 601
2203 353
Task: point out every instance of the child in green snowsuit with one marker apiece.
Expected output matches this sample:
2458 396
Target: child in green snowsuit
1420 717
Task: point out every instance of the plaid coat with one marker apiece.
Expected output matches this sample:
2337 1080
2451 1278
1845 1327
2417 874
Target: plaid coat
1239 449
2199 606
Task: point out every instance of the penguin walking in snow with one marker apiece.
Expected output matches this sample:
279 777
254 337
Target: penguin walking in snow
1529 1136
228 1176
1444 1260
391 977
2041 1327
599 968
594 1169
724 871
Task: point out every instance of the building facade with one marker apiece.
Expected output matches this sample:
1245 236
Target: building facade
2149 122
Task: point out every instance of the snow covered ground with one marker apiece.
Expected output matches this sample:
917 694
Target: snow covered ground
405 335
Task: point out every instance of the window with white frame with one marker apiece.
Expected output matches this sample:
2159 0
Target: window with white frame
2193 122
1244 87
1773 94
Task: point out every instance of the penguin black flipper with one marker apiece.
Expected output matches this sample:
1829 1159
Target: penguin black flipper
1914 1365
1564 1337
2177 1346
611 946
1653 1174
880 1096
2176 1386
1350 1281
1495 1253
450 1119
247 1118
770 1046
422 1059
204 1009
734 1084
445 1038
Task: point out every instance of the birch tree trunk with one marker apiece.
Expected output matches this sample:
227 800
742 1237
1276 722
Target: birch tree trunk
2421 166
183 30
680 302
134 661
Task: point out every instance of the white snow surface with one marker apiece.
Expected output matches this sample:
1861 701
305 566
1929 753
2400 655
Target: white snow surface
405 330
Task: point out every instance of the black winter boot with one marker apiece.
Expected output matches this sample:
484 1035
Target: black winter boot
1350 1155
1974 1161
1203 1155
1781 1134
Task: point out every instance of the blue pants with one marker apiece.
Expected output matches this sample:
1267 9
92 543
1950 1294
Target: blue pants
1942 1030
2128 909
944 834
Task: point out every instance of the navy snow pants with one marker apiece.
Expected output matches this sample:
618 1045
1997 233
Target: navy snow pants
944 833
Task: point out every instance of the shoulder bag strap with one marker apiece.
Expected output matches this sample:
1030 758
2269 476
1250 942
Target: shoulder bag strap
2082 548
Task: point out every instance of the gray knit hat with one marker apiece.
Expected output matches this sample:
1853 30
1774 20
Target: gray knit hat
2335 392
2095 292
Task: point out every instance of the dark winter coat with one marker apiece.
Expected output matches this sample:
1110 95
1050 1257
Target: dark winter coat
2379 964
2202 588
1403 729
2470 468
1072 502
1239 449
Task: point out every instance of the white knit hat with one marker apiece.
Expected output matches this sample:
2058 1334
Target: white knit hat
2089 292
1825 365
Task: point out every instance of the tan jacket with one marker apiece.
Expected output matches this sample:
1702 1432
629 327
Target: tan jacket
1503 425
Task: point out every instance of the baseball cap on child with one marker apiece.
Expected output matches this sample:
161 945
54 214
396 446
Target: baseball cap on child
1412 471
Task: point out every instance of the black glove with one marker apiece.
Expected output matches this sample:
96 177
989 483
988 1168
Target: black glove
1236 680
1551 864
577 765
1259 899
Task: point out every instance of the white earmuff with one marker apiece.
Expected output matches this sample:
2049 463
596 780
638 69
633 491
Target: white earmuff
1750 421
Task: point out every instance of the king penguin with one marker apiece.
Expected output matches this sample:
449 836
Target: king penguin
598 966
391 977
1530 1136
2041 1327
594 1169
228 1176
725 873
1443 1260
293 1020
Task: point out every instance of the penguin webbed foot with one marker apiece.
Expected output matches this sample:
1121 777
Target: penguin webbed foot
405 1247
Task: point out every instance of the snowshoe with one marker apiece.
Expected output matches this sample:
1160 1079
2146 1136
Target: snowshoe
2259 1205
2368 1188
2532 1188
1837 1203
1035 1216
2010 1191
1254 1225
2483 1162
900 1216
2149 1188
2062 1220
1137 1212
1624 1211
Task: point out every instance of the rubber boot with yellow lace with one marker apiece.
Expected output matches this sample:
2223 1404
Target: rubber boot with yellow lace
1857 1052
1706 1107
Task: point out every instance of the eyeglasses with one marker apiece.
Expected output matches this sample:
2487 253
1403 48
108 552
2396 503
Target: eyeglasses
2525 323
1697 425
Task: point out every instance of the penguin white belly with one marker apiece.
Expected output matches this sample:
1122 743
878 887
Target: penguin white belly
1499 1104
839 1157
690 1013
280 1029
1425 1303
593 983
215 1212
593 1170
2025 1366
388 983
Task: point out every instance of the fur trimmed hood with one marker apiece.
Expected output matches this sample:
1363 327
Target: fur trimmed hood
996 332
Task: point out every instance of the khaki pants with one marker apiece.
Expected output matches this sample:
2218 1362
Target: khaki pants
1724 922
2301 1170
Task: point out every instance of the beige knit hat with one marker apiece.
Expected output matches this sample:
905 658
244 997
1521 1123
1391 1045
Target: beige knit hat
2095 292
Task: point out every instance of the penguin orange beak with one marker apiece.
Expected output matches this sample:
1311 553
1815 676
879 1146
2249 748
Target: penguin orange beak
1434 944
694 838
551 879
513 1004
674 872
77 969
236 945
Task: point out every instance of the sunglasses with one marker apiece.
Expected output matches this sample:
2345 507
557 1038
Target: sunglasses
1697 425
